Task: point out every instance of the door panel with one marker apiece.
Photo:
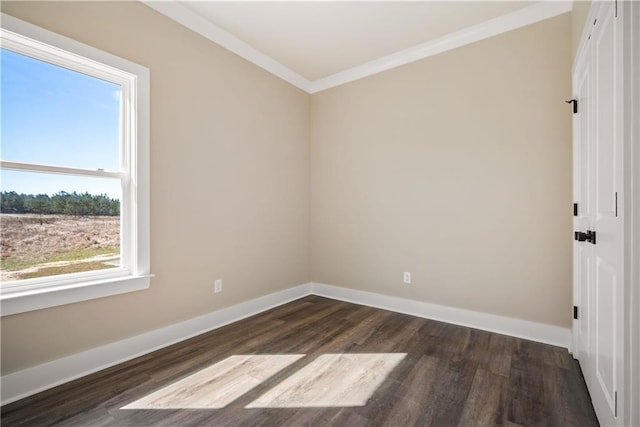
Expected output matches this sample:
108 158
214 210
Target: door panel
604 49
605 349
584 260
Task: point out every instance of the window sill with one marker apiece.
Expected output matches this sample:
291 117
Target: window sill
21 302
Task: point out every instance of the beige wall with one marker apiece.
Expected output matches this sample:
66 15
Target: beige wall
229 182
456 168
578 20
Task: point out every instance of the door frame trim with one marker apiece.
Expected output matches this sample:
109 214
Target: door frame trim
631 135
577 61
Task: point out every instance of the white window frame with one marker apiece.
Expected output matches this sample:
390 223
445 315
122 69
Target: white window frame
134 272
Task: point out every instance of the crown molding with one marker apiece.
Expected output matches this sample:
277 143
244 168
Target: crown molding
198 24
502 24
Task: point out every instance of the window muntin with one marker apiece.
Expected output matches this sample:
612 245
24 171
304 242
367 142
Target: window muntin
131 173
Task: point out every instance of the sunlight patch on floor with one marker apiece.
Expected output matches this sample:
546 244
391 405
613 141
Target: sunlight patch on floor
332 380
218 385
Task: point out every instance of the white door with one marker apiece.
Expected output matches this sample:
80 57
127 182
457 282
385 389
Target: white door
598 252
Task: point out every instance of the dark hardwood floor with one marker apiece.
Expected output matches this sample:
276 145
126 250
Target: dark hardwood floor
382 368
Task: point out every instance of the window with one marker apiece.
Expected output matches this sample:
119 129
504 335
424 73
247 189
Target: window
74 174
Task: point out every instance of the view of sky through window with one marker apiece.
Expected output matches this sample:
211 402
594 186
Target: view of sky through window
52 115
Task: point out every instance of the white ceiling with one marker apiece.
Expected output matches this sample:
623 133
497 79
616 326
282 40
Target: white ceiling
317 39
307 42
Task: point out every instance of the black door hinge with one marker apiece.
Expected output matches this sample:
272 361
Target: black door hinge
575 209
575 312
575 104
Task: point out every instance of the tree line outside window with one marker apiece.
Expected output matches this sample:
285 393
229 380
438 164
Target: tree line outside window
62 203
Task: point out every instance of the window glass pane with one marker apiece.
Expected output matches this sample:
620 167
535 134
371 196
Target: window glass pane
57 224
52 115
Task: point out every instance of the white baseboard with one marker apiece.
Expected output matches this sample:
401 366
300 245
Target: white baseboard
18 385
21 384
547 334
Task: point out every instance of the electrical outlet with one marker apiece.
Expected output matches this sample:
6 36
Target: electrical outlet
407 277
217 286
